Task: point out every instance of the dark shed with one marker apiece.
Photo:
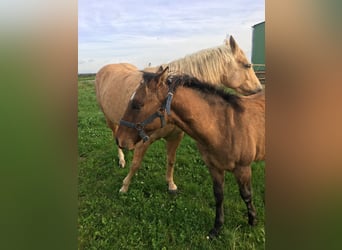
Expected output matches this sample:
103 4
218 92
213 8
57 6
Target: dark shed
258 50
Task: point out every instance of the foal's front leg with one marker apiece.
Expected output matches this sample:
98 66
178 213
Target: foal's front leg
138 155
243 177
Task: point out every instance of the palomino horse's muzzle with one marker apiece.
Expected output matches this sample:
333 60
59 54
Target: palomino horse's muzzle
141 125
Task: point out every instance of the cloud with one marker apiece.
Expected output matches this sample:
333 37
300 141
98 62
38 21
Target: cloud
153 31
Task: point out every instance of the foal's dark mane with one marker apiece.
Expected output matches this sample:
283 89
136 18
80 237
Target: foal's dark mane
175 81
205 88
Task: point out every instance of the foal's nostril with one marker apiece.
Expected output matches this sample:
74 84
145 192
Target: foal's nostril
117 141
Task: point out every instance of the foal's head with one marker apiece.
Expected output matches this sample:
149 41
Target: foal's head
145 110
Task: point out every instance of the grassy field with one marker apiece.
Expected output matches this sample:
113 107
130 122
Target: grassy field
147 217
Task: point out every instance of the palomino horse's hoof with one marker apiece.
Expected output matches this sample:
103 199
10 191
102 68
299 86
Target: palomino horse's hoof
170 191
122 163
172 188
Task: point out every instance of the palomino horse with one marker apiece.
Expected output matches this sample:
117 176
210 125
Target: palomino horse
229 129
115 84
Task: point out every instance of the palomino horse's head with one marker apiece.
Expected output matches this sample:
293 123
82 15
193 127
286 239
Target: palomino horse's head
239 73
145 111
223 65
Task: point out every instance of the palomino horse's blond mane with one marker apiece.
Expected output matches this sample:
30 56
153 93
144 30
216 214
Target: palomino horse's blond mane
201 65
207 65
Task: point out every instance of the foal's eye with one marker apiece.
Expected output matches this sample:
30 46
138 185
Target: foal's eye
136 105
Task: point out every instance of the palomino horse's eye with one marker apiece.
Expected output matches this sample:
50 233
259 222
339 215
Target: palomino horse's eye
247 65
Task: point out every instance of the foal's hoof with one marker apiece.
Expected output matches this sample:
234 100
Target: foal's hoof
123 190
213 234
252 221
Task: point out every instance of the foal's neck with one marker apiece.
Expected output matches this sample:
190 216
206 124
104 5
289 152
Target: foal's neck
199 116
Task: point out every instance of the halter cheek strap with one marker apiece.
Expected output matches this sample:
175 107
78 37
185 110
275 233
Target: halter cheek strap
169 95
168 102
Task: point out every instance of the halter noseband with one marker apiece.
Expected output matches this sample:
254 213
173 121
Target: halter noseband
140 125
160 113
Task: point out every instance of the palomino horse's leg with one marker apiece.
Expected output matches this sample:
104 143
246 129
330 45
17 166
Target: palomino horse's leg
218 182
243 176
172 144
121 156
114 128
139 152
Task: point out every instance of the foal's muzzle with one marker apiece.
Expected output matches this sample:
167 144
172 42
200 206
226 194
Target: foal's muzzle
159 114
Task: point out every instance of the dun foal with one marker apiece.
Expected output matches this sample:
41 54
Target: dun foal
229 130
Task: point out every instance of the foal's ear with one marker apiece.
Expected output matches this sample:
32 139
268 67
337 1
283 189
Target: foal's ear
162 75
233 45
160 70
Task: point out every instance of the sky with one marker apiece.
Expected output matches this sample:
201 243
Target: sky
143 32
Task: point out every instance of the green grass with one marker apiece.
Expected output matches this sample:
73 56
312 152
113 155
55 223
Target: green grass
147 217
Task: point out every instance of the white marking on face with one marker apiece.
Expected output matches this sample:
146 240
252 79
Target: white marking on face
132 96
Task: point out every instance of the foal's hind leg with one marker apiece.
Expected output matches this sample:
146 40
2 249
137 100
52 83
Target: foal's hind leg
243 176
217 176
172 144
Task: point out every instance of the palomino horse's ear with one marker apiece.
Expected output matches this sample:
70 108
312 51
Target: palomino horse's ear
162 75
233 44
